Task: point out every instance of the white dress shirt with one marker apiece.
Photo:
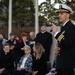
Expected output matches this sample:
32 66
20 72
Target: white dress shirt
23 62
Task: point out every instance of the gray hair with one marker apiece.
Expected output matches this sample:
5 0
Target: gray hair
28 47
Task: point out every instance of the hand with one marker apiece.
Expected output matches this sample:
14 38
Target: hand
57 49
14 42
53 70
54 28
22 48
20 68
35 72
12 47
1 70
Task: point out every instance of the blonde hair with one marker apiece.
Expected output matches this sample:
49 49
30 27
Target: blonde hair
40 50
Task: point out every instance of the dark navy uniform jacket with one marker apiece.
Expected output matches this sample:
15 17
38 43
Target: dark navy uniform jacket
66 42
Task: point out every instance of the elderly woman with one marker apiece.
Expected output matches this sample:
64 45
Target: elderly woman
25 64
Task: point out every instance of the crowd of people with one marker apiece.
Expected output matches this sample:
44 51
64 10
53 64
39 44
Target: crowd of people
23 56
20 56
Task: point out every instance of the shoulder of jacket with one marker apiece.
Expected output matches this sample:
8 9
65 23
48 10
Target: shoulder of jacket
73 22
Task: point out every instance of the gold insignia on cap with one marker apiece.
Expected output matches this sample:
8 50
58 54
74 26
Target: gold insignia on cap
60 6
61 10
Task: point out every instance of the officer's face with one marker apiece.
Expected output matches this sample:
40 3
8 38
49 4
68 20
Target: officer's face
63 17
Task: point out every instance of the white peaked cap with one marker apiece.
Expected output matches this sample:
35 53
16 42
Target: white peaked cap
64 8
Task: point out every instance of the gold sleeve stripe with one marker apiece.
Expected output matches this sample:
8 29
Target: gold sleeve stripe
60 37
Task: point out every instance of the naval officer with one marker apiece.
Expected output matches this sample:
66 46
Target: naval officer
66 41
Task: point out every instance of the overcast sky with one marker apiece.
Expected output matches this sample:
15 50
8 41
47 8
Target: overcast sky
40 1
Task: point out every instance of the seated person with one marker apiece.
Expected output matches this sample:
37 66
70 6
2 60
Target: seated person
6 61
53 69
39 65
25 64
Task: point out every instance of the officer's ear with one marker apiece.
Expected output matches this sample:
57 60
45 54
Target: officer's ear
68 15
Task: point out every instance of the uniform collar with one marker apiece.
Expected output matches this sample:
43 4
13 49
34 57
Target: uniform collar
65 23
